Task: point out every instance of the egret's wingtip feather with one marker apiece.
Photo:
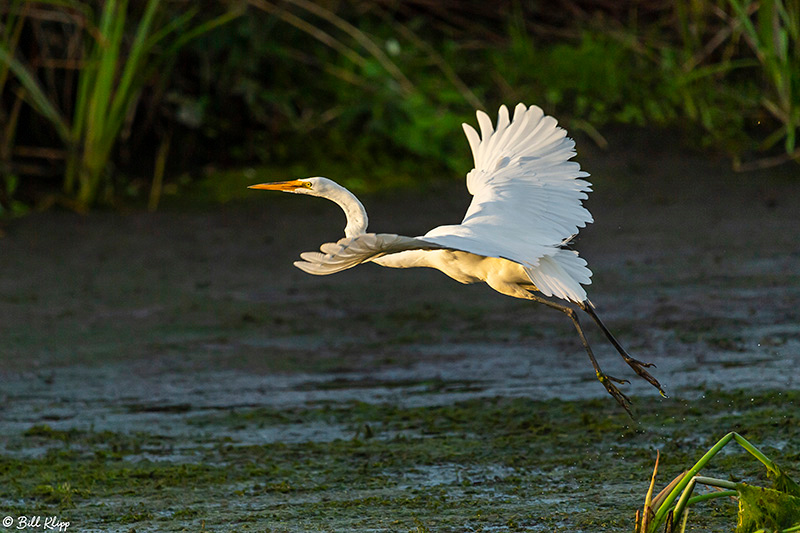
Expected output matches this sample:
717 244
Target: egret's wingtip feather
480 114
351 251
305 267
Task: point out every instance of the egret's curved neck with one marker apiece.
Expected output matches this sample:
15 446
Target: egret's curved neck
353 209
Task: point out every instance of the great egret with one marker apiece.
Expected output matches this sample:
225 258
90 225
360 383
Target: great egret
525 210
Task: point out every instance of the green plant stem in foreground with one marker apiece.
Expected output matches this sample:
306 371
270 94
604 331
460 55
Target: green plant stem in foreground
688 480
688 477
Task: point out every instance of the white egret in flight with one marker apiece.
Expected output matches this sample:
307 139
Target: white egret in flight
526 208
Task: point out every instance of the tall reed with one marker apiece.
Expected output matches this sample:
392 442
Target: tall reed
774 37
114 70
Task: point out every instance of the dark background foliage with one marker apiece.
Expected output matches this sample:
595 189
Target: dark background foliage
375 92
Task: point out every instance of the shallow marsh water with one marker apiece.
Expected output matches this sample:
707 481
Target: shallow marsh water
173 372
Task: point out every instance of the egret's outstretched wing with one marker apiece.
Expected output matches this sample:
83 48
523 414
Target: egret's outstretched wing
351 251
527 195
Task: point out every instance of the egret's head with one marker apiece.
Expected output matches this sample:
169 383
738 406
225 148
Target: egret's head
325 188
313 186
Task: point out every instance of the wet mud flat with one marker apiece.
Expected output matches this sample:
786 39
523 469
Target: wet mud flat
174 372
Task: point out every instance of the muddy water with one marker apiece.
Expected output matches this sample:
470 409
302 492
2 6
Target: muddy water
154 324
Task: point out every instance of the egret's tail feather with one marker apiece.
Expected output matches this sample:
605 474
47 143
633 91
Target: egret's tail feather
561 275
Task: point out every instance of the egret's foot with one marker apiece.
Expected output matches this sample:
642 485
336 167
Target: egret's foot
631 361
639 368
613 390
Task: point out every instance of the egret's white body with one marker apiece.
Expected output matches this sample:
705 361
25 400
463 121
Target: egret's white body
526 207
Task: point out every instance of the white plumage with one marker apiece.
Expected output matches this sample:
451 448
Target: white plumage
526 199
526 207
351 251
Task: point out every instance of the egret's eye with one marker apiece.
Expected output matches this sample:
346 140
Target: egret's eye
307 184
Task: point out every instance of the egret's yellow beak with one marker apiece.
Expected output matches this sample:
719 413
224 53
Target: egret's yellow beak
286 186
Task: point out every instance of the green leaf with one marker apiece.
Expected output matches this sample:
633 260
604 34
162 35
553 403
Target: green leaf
762 508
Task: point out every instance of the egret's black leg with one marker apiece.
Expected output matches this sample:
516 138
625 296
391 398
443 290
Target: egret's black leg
605 379
636 365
